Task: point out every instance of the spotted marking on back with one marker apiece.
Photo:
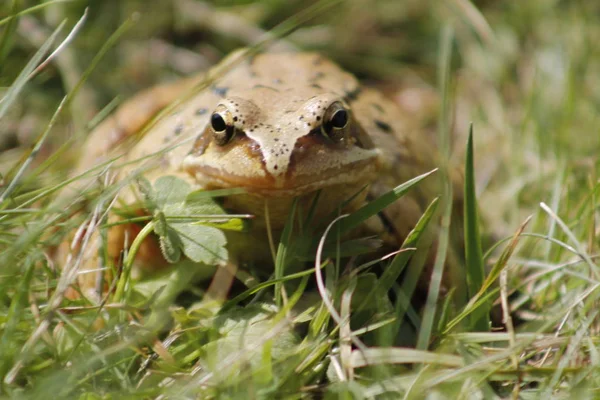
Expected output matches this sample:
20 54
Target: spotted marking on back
220 91
384 126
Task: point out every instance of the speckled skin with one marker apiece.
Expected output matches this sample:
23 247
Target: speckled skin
276 103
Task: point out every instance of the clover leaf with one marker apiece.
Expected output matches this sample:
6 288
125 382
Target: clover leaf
187 223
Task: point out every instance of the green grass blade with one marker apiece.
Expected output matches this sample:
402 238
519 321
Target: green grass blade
392 273
19 83
390 276
427 323
7 38
473 254
109 44
19 301
282 251
257 288
375 206
32 9
415 268
476 300
36 148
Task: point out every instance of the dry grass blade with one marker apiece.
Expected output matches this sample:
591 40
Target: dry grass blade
387 355
321 284
62 45
581 251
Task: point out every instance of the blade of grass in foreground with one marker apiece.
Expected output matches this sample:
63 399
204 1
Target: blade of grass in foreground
473 254
25 74
375 206
427 323
476 301
15 314
282 251
30 69
393 271
34 152
391 274
32 9
7 38
257 288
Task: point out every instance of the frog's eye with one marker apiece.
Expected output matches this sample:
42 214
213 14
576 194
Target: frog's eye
218 122
335 121
221 122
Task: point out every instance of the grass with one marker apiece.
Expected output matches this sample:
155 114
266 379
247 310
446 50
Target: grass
516 109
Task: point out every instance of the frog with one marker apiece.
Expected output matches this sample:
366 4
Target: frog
282 126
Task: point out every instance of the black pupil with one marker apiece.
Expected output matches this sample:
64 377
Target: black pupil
218 123
339 119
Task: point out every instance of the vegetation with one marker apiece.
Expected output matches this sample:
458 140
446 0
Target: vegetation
512 90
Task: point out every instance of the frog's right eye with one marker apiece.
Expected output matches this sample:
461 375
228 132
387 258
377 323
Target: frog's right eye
221 123
217 122
335 121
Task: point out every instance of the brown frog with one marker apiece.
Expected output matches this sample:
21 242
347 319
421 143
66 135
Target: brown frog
280 126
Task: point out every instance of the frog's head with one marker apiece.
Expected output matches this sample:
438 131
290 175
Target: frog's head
282 145
285 128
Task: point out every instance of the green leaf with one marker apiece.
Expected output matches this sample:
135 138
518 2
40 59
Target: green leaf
160 223
169 191
170 245
197 205
179 223
147 192
243 334
228 224
201 243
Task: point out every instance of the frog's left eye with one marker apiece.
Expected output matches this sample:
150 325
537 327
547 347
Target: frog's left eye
335 120
221 123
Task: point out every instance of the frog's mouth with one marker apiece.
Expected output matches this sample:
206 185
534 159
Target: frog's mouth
309 175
